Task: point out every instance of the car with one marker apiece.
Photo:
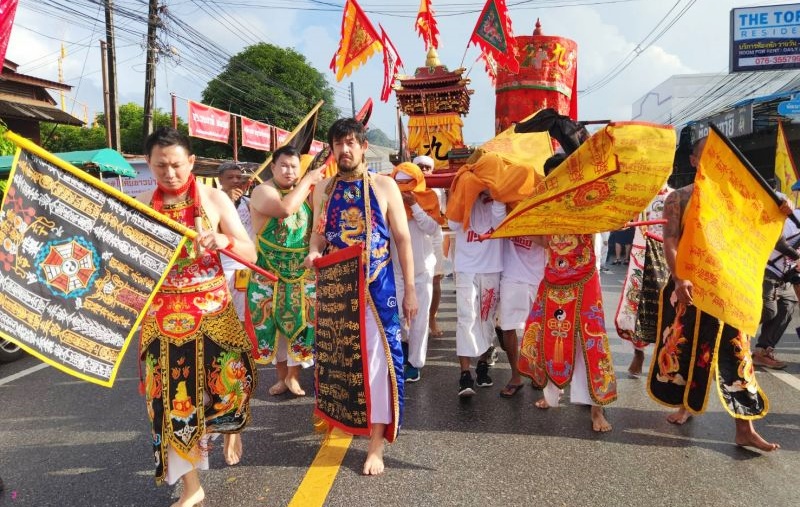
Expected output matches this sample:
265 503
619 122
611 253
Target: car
9 351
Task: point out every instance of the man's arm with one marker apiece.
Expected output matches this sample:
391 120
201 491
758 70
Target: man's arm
317 242
230 231
673 213
398 224
267 201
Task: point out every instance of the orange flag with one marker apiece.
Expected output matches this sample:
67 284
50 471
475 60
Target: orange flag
785 170
359 41
426 25
494 36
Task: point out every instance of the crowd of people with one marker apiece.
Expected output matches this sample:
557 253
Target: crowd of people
538 298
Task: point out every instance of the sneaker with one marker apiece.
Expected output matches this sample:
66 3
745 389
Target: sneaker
465 385
482 377
766 358
412 374
492 355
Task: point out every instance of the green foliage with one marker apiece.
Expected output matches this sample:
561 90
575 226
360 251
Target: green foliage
6 147
270 84
131 121
60 138
379 138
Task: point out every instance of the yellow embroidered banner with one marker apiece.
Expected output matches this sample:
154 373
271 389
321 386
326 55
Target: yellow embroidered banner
607 182
731 225
785 170
434 135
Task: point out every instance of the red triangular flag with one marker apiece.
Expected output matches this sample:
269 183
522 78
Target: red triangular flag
494 36
426 25
391 62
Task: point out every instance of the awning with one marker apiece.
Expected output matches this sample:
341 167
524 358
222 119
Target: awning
105 161
9 109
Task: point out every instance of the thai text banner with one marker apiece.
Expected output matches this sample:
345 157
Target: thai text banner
765 38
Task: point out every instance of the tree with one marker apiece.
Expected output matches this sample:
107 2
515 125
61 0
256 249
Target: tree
6 147
274 85
131 118
61 138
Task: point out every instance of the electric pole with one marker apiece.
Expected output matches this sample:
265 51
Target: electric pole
106 108
111 54
353 98
150 68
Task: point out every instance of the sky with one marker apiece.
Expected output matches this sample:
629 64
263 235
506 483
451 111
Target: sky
607 33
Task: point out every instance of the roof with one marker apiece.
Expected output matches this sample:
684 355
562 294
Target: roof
105 160
13 75
10 109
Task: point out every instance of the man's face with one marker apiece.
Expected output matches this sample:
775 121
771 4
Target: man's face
348 152
285 171
426 169
230 179
171 166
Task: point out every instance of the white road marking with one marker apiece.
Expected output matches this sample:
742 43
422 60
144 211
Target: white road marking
33 369
786 377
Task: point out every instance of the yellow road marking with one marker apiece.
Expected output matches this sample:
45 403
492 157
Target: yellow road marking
318 480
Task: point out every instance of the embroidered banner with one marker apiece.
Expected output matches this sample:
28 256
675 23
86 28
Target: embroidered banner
80 263
358 43
341 353
426 25
391 64
493 34
606 182
256 135
434 135
209 123
731 225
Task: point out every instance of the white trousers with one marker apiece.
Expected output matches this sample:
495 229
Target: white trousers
379 395
578 386
417 333
476 298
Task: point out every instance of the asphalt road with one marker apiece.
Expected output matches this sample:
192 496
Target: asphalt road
64 442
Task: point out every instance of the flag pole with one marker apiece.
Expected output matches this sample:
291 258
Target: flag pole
291 136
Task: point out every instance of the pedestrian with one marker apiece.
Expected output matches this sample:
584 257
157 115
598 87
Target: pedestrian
677 378
282 311
352 207
198 374
235 184
565 340
424 222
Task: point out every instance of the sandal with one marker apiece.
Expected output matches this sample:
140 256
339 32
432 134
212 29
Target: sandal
510 390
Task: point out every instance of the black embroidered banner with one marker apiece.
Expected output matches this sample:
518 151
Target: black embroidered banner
80 263
341 354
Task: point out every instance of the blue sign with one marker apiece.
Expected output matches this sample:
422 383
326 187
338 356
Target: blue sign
789 108
765 38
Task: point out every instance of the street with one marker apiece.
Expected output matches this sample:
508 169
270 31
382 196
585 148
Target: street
64 442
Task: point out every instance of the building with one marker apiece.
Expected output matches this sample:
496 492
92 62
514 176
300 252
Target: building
25 102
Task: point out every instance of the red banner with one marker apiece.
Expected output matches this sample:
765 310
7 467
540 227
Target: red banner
256 135
281 136
7 10
316 147
209 123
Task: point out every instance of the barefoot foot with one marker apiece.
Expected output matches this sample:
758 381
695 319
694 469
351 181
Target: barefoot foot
373 465
191 500
599 422
192 493
541 403
232 448
294 386
278 387
635 368
679 417
746 436
434 331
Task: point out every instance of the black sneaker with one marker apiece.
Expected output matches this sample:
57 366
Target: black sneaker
465 385
482 377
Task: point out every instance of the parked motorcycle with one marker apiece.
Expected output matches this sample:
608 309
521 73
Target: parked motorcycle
9 351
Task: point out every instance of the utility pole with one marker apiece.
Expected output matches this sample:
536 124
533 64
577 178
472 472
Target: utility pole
111 53
61 75
106 108
353 98
150 69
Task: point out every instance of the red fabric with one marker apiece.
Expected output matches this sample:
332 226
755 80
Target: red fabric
391 63
209 123
426 25
7 10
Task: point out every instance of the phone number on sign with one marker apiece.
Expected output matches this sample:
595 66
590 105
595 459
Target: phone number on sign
771 60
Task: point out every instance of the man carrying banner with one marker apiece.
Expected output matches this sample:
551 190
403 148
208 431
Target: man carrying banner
691 344
282 312
357 207
198 374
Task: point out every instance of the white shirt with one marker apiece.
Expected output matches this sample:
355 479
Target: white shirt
792 235
228 264
472 255
523 260
421 228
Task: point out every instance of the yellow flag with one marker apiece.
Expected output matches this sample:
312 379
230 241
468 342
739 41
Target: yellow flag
607 182
785 170
731 225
